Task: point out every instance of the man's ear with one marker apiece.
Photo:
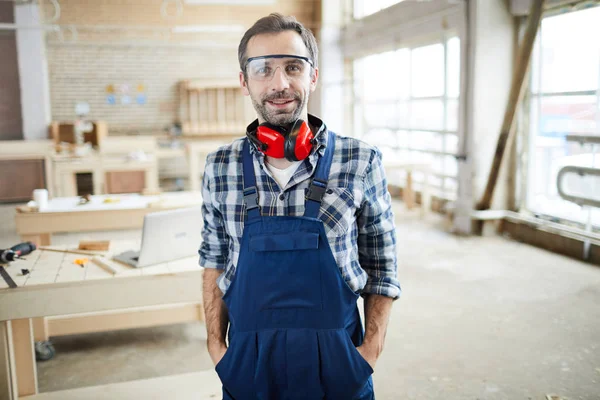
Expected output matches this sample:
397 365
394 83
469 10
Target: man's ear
244 84
313 79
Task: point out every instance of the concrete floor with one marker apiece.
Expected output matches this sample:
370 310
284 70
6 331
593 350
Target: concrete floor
480 318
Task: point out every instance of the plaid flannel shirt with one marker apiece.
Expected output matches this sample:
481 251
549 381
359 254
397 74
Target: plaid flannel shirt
356 211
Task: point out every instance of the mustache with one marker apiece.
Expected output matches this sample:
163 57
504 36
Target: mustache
282 96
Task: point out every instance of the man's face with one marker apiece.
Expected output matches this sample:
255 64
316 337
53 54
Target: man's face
283 97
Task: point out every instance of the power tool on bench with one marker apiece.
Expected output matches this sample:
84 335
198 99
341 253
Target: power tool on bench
17 251
8 255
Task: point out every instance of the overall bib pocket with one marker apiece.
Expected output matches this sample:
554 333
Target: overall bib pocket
287 257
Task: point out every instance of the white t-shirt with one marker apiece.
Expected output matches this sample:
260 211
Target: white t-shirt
283 176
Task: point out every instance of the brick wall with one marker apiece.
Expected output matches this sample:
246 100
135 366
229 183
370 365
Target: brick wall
129 44
11 127
82 72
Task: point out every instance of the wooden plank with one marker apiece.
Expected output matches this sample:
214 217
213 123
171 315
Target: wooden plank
138 318
408 195
22 331
28 149
194 99
79 296
183 102
94 245
203 385
8 383
40 329
221 104
514 99
122 145
203 116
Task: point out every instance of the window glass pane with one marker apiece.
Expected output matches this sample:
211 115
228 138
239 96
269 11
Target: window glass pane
453 46
401 74
427 114
383 74
428 71
452 115
535 66
451 185
391 113
403 114
451 143
567 59
381 115
424 140
571 51
358 120
450 165
403 138
362 8
381 138
437 163
561 115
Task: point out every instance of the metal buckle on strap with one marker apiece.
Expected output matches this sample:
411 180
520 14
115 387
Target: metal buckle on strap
316 190
251 197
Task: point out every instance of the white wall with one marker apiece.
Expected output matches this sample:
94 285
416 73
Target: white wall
329 99
33 73
489 62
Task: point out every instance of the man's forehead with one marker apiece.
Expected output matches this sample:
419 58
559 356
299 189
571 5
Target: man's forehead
287 42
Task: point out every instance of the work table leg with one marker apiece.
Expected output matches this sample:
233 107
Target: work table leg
22 337
8 380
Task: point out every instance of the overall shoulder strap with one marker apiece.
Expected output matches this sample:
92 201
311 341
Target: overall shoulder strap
318 185
250 189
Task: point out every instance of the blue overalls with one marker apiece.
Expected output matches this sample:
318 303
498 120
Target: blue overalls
294 322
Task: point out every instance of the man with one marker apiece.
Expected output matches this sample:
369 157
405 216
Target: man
297 225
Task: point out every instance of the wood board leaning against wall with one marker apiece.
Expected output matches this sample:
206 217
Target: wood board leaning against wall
213 107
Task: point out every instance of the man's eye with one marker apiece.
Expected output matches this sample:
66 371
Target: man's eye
294 68
263 70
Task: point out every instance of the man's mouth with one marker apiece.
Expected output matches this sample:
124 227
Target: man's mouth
280 103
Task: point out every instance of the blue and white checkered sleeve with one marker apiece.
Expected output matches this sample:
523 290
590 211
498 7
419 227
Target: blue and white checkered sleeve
377 233
214 248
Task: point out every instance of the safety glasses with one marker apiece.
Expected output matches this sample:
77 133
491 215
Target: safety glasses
263 68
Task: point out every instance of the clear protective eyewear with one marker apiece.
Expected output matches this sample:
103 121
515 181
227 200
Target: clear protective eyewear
263 68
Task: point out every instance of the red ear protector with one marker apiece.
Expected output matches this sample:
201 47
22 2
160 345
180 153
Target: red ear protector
293 143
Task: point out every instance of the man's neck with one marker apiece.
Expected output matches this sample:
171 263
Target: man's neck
279 163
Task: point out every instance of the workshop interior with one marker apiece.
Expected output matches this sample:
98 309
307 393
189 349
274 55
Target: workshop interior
486 114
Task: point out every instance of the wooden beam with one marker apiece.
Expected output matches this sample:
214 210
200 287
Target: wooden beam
8 383
140 318
65 298
516 92
26 372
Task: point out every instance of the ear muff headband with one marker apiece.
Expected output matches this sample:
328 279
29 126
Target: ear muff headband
276 142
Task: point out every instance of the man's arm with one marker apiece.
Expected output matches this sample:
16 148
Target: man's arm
213 257
215 313
377 314
377 256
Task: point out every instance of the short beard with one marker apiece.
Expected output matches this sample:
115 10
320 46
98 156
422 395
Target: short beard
280 118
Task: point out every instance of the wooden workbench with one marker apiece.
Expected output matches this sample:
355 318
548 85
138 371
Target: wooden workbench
63 214
56 286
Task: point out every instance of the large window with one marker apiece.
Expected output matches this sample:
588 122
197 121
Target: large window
564 100
406 103
362 8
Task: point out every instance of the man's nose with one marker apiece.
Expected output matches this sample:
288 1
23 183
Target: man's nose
280 80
